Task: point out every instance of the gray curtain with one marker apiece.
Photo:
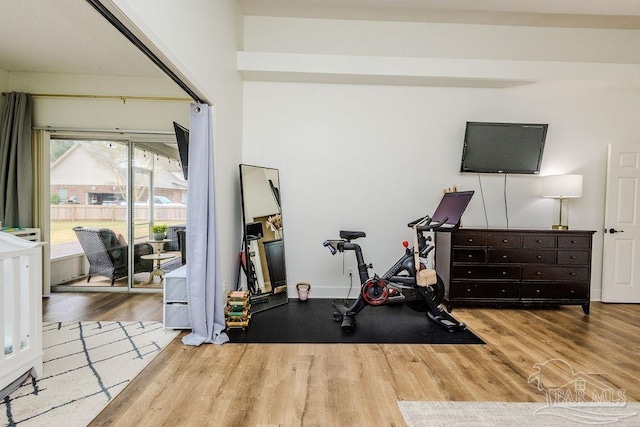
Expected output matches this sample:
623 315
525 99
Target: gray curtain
205 289
16 164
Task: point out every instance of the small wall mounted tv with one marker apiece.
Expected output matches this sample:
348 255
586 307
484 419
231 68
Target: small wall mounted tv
182 138
503 147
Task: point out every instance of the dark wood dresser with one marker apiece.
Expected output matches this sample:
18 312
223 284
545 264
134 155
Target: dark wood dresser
510 266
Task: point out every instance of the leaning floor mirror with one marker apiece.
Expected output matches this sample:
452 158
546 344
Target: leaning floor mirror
263 238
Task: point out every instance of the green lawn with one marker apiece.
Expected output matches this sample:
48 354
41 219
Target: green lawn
62 231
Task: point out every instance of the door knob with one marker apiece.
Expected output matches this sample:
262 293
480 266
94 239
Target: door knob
613 230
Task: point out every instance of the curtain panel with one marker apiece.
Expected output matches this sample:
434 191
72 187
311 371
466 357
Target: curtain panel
204 282
16 163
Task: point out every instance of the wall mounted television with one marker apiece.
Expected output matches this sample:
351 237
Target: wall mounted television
182 138
503 147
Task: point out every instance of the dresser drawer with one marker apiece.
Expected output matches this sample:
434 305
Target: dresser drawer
538 241
485 272
518 266
504 240
469 239
564 291
520 256
469 255
574 242
573 258
555 273
461 290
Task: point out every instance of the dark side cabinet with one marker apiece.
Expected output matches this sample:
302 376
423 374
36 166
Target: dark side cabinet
274 252
526 267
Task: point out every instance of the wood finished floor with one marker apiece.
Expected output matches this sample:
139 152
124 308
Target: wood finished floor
359 385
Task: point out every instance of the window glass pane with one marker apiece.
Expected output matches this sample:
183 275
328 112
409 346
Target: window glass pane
160 195
87 188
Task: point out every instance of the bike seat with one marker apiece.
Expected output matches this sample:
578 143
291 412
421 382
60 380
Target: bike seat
351 235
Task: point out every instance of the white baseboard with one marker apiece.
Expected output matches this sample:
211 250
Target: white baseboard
341 292
326 292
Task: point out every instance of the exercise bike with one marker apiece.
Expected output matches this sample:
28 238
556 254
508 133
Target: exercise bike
253 231
408 280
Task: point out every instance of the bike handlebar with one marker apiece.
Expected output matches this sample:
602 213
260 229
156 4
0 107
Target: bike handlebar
426 223
334 246
419 220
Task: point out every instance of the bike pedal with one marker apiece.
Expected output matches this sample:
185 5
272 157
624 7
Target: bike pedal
337 317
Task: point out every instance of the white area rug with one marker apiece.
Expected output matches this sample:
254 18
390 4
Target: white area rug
468 414
86 364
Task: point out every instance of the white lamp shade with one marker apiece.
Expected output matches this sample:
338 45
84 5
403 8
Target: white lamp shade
562 186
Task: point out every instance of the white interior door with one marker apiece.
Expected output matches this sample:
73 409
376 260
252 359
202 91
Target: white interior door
621 268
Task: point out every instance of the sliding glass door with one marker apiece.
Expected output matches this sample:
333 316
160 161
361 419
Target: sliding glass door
105 197
87 192
159 200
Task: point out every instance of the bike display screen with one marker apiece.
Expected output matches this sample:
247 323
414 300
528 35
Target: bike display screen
452 206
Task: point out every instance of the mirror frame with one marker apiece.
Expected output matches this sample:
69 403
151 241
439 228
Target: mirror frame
259 299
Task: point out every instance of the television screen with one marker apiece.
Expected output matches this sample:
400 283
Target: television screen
503 147
182 137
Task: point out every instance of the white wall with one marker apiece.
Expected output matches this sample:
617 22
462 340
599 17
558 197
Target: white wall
102 113
201 38
258 197
416 39
373 158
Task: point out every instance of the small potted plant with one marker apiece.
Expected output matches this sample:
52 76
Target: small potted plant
159 231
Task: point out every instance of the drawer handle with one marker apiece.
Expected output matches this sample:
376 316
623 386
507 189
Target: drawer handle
468 272
574 242
504 240
538 241
573 291
572 257
469 240
572 274
504 272
539 257
470 256
537 291
539 273
504 291
504 257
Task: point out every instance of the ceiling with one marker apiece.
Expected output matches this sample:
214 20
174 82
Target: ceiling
69 36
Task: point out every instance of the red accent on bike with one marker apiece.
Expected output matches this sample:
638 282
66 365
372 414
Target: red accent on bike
405 244
375 291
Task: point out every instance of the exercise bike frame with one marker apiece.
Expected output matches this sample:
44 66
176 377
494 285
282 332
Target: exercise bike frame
398 284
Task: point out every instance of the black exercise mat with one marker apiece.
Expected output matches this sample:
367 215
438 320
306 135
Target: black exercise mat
312 321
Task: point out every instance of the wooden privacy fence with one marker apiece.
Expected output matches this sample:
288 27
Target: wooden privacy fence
74 212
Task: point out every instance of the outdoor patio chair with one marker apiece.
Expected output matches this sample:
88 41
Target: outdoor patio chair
107 257
172 234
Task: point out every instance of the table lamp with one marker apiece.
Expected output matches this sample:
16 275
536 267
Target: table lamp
561 187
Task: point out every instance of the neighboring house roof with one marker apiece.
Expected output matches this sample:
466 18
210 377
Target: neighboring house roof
78 166
82 165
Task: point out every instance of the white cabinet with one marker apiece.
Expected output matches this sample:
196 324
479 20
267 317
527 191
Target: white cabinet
32 234
175 307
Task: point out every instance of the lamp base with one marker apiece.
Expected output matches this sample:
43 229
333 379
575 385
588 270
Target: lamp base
559 227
